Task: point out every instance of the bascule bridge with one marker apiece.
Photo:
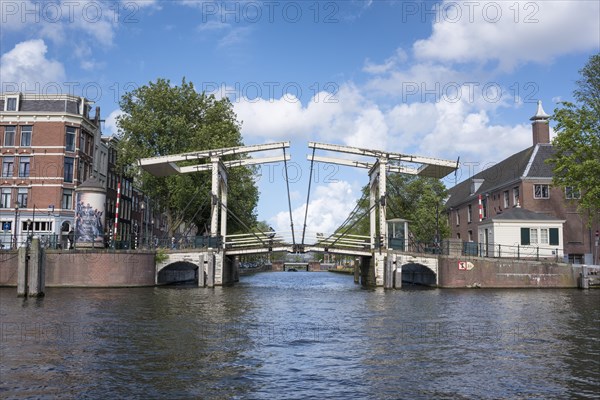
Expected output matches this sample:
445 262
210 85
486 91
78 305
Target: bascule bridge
216 265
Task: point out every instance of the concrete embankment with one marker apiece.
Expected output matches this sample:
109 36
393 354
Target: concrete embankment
81 268
481 272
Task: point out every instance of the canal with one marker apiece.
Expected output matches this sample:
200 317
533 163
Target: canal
299 335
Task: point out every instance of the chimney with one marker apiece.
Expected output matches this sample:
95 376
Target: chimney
539 125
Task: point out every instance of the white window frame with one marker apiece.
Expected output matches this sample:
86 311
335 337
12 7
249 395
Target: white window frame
541 186
572 193
30 130
506 197
11 97
533 236
544 236
14 139
516 196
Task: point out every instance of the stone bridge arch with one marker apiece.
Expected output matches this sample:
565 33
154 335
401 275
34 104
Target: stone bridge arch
418 269
183 261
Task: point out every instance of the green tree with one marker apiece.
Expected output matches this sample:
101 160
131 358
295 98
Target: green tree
576 161
161 119
417 199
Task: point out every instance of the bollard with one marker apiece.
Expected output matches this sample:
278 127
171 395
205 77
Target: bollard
22 272
35 268
201 273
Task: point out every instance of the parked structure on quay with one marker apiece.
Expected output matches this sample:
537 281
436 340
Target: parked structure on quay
513 207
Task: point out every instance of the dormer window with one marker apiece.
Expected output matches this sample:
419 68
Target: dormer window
11 103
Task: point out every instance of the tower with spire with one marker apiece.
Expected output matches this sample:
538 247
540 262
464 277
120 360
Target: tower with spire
540 126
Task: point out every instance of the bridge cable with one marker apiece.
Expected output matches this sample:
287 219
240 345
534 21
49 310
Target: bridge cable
287 182
348 218
312 160
353 224
199 210
241 222
179 220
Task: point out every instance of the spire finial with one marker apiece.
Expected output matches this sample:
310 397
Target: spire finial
540 114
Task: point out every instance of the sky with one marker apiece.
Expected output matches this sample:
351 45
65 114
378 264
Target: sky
444 79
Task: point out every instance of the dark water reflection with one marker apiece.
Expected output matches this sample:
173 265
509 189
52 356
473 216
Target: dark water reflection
300 335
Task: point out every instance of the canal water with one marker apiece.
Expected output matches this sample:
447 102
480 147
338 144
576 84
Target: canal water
298 336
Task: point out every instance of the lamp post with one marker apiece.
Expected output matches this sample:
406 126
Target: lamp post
142 219
16 223
151 231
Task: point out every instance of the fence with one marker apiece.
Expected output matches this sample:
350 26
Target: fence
475 249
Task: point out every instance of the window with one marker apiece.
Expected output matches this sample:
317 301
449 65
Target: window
5 196
26 136
67 199
469 214
516 199
8 165
525 236
541 191
484 204
470 236
70 139
533 235
544 236
37 226
572 193
11 104
24 167
576 258
457 218
9 135
458 235
22 197
553 236
506 199
69 161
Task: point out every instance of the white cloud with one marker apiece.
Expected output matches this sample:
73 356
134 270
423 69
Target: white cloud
329 207
26 63
110 123
511 33
398 58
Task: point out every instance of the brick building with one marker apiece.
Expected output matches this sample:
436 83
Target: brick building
49 144
523 180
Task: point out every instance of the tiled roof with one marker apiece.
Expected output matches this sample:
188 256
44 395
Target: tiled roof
530 163
510 169
519 213
539 167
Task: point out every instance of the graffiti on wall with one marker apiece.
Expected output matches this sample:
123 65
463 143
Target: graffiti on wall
89 218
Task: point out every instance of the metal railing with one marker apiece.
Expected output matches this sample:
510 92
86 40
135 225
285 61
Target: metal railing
467 249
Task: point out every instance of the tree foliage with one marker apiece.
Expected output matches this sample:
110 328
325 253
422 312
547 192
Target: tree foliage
576 161
161 119
417 199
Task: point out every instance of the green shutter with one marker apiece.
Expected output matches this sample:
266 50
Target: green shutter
525 236
554 236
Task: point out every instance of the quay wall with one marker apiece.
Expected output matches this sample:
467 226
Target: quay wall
87 268
481 272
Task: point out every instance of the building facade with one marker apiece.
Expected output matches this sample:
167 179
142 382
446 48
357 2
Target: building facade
523 180
49 145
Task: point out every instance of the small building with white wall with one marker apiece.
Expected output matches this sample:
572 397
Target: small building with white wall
522 233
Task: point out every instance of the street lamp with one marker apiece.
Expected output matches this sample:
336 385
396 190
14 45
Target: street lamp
16 223
142 219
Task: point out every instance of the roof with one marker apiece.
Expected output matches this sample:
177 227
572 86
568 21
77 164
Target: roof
528 163
523 214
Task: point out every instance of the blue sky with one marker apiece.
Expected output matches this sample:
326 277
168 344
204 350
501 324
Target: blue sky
441 79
